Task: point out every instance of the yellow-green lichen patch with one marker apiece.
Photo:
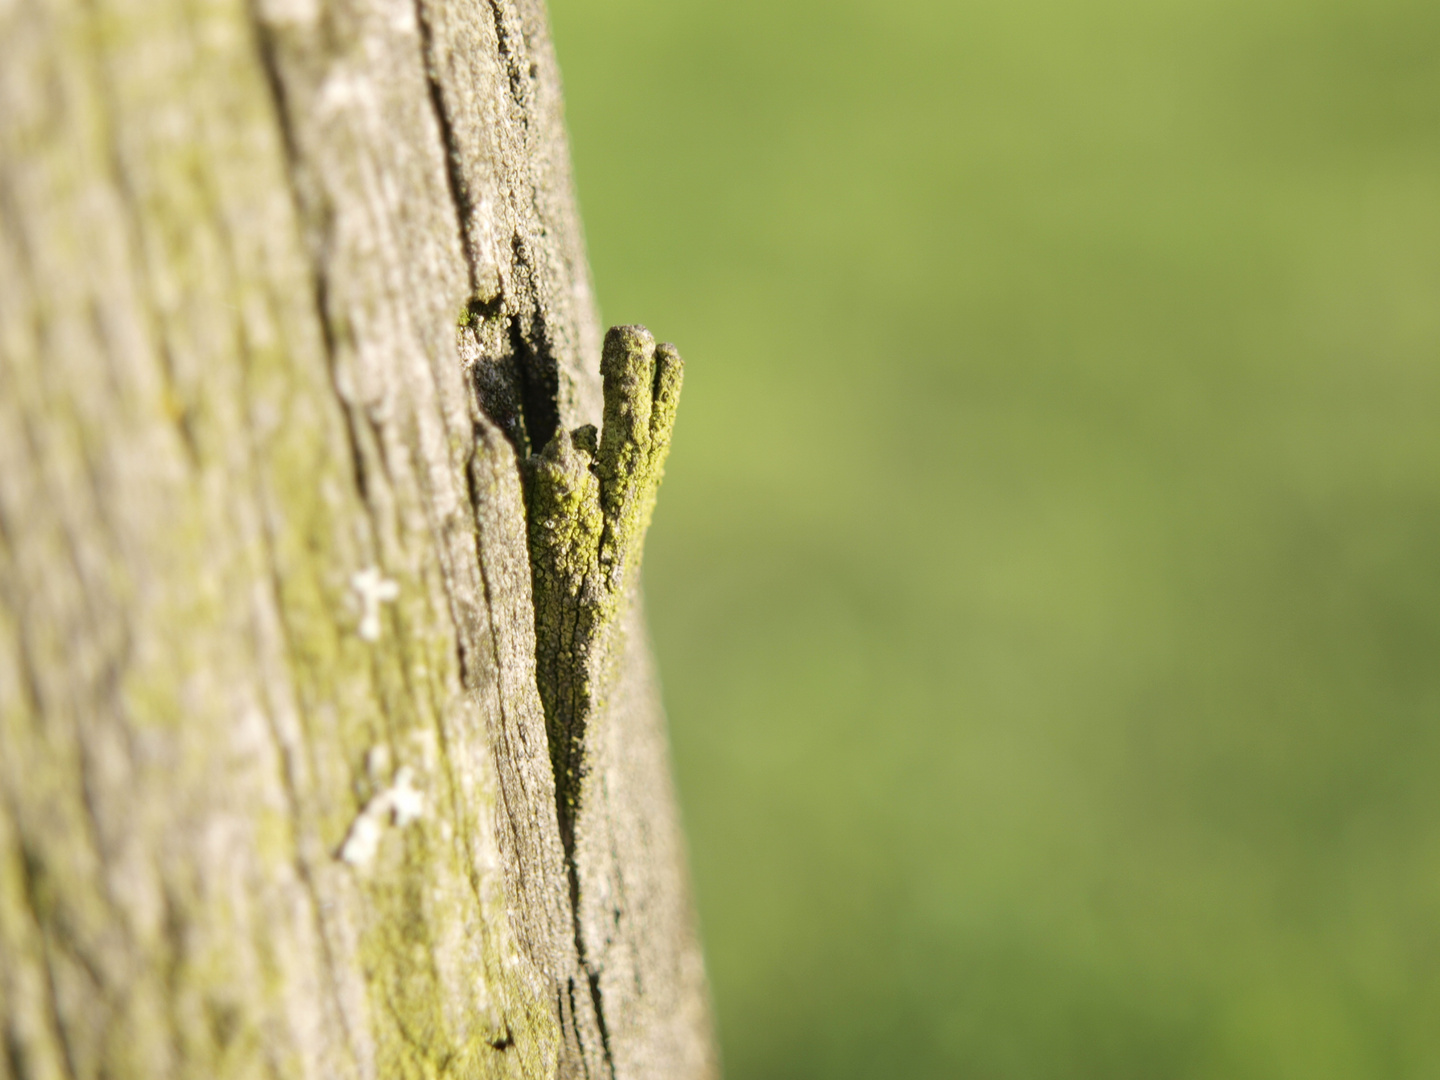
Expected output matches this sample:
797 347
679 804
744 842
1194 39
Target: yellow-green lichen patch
590 500
429 951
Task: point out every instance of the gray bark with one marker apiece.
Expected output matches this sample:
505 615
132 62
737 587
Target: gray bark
287 292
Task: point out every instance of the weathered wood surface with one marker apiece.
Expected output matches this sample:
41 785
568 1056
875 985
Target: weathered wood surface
286 290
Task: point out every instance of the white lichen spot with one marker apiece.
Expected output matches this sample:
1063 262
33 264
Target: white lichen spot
363 840
374 589
407 802
399 804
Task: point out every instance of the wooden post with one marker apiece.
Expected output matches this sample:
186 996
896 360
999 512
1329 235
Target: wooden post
289 289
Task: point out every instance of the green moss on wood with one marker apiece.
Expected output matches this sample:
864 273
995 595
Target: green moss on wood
590 501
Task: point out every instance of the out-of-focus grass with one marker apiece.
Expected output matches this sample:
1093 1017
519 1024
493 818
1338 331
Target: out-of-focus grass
1046 582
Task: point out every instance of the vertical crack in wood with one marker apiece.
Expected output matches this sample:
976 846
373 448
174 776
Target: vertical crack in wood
454 163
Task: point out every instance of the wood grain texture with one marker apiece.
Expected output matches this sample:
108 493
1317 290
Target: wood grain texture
287 290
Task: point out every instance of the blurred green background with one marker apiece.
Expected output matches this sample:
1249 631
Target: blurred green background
1046 582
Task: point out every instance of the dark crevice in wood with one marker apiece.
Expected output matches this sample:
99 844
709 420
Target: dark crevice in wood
574 1015
539 381
496 379
267 49
519 391
505 1042
515 68
535 356
359 469
357 455
593 978
454 161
